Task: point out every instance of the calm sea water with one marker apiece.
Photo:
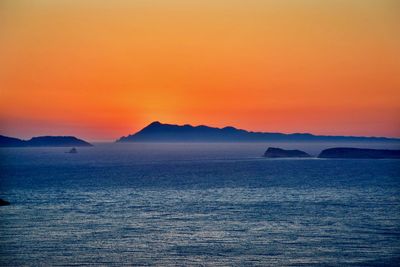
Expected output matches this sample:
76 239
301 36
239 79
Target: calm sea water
196 204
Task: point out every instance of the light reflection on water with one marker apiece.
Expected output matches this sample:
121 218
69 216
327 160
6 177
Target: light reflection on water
194 205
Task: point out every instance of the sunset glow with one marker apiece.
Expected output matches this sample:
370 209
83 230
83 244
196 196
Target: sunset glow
100 71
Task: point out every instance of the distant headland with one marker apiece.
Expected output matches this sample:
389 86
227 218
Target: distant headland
359 153
160 132
335 153
43 141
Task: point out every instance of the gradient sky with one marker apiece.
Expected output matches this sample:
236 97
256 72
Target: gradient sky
103 69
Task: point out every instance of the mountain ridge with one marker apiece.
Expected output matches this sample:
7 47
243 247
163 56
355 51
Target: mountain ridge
160 132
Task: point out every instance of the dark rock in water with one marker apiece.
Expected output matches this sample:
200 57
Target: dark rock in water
4 202
273 152
359 153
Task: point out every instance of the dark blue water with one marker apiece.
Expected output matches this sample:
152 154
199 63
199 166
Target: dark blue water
196 204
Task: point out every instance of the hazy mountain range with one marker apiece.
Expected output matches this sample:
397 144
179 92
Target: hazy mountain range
160 132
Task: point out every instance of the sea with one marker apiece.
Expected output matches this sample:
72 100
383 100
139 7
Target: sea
197 204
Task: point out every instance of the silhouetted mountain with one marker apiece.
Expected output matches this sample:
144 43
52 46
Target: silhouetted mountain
6 141
59 141
359 153
159 132
273 152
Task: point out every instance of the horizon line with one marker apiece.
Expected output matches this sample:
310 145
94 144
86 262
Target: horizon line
397 138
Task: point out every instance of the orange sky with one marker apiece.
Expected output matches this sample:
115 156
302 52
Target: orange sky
103 69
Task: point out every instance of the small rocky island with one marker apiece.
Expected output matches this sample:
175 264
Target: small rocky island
359 153
273 152
72 151
42 141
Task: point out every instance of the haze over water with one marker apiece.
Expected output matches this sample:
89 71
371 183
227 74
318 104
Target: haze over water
193 204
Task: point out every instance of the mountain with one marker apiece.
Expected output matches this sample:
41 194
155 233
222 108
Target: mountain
58 141
159 132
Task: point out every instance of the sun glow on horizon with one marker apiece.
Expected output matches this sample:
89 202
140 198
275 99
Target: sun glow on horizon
101 70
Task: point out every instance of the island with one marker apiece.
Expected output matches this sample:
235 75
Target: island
43 141
273 152
359 153
160 132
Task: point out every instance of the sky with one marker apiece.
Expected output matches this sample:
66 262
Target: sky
101 69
